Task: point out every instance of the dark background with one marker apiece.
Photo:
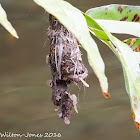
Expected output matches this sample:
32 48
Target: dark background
25 97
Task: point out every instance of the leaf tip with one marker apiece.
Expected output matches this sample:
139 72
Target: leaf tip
134 119
16 36
106 95
87 12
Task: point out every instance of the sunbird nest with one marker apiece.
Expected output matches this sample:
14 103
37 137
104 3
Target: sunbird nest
66 66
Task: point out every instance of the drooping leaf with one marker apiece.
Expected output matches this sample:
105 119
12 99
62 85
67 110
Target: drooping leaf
128 60
131 66
134 45
118 18
135 104
7 25
73 20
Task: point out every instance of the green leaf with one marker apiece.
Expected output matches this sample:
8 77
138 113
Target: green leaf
131 66
128 60
7 25
116 12
134 44
135 105
99 32
73 19
118 18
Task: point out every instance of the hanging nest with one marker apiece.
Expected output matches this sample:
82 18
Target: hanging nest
66 66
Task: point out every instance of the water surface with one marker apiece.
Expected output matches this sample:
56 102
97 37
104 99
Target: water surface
25 98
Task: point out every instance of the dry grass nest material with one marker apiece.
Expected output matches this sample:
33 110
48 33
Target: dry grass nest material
66 66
